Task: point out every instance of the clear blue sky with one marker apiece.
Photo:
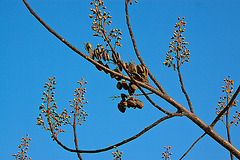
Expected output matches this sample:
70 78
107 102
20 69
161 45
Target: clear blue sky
30 54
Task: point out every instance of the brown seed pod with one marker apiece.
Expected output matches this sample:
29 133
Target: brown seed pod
100 68
104 56
139 104
137 76
132 67
118 78
106 65
123 96
131 103
139 69
119 85
130 91
124 103
124 85
121 108
114 58
133 86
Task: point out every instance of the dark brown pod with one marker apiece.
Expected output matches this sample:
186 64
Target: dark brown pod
131 103
124 103
118 78
139 104
130 91
119 85
100 68
139 69
121 108
123 96
124 85
106 65
133 86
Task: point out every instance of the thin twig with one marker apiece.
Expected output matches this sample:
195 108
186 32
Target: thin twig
192 145
226 108
136 50
121 143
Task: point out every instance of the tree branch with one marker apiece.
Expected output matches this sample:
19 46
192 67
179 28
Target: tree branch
121 143
136 50
192 145
226 108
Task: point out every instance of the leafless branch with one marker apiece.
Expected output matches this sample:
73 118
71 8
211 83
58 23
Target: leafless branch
136 50
193 145
121 143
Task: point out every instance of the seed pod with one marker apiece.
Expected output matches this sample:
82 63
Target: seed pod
118 56
132 67
104 56
131 103
121 108
114 58
139 69
108 57
106 65
139 104
124 85
145 73
118 78
123 96
130 91
133 86
137 76
96 53
119 85
100 68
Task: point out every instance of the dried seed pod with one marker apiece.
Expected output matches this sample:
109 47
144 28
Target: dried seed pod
130 91
145 71
114 58
120 66
118 56
104 56
121 108
123 96
119 85
139 104
139 69
124 85
108 57
118 78
132 67
131 103
96 53
100 68
137 76
133 86
106 65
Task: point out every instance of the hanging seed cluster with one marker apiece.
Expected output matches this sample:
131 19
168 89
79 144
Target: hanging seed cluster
225 99
55 120
129 102
24 146
178 46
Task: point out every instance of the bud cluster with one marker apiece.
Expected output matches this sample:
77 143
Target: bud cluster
166 154
55 121
224 100
117 155
178 46
22 154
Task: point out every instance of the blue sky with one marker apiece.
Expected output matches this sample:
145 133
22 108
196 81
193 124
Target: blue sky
30 54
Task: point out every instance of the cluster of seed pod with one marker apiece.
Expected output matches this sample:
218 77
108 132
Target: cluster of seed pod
131 87
130 102
139 72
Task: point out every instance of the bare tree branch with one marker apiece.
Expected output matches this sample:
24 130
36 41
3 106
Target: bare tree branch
193 145
136 50
121 143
